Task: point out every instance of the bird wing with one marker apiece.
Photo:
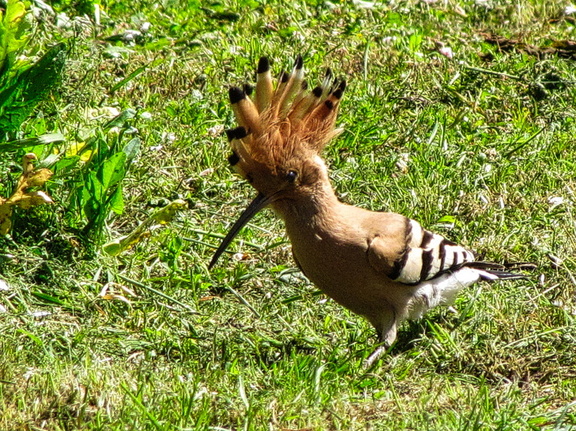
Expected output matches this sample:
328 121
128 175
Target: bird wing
412 254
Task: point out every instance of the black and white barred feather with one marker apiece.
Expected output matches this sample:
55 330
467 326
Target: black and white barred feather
427 255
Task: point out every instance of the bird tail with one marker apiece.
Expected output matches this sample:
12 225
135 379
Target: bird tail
494 271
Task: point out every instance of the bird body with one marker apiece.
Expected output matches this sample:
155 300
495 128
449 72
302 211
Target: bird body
380 265
374 263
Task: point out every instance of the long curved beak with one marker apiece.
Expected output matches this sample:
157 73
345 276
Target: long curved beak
256 205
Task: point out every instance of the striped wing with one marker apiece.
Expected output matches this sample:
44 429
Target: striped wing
423 256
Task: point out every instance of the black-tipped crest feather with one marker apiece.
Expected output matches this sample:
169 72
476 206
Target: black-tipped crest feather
299 62
248 89
236 133
263 65
236 94
233 158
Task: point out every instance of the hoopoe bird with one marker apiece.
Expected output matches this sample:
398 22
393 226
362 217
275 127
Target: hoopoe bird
380 265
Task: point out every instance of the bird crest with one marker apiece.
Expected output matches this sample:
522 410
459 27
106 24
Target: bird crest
281 123
281 133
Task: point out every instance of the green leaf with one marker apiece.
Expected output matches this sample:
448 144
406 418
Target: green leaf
395 19
159 44
48 138
91 205
129 78
48 298
30 335
113 170
14 33
65 163
120 119
447 219
132 149
94 189
117 201
31 86
415 42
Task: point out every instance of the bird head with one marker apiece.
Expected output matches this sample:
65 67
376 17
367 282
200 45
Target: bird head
281 133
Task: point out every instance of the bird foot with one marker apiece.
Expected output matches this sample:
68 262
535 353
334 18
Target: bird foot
375 355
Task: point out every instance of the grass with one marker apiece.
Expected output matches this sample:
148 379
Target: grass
478 147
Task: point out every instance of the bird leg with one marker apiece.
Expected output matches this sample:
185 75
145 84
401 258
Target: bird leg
386 330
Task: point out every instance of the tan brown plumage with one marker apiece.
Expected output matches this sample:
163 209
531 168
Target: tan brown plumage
382 266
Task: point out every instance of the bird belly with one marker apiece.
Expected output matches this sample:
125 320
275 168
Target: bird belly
344 274
440 291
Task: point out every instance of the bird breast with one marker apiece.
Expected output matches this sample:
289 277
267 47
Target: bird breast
331 251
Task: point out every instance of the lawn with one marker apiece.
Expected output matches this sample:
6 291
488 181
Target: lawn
459 114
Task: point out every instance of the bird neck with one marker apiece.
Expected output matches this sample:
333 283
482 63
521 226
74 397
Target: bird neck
310 211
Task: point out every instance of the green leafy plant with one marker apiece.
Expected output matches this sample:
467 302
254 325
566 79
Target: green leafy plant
14 34
23 84
102 162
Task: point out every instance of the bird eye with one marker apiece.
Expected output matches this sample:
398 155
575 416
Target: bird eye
291 176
